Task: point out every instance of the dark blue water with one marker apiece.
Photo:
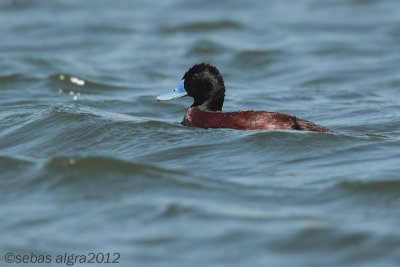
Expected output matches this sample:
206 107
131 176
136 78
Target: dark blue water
91 163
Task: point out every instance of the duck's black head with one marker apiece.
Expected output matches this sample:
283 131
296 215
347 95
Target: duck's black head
205 84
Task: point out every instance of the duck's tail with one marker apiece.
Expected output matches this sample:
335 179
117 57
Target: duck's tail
305 125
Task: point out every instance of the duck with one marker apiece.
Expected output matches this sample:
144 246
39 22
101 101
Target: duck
204 83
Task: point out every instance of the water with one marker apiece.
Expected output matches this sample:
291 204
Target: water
90 162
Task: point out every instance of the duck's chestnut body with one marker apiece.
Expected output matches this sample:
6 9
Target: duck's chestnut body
205 84
248 120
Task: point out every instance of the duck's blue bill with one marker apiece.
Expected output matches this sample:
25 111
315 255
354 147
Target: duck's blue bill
178 92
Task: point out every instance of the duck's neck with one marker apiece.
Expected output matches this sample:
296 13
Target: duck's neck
214 104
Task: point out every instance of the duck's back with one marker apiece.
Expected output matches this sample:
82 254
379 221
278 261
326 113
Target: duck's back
248 120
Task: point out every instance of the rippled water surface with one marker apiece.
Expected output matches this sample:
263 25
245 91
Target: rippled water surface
90 162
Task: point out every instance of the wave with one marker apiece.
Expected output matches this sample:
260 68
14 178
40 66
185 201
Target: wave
63 125
110 172
10 78
201 26
9 162
257 57
100 164
206 47
374 186
14 77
